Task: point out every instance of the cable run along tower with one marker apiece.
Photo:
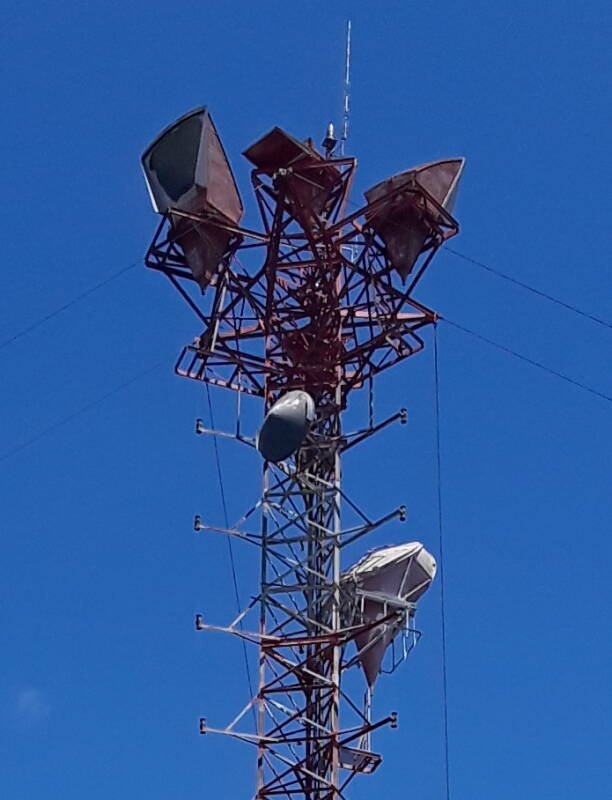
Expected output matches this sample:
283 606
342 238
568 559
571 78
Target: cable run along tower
302 312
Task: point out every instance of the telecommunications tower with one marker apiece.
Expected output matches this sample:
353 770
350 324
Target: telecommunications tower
303 312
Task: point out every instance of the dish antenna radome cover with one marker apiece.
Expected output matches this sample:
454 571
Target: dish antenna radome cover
385 580
286 425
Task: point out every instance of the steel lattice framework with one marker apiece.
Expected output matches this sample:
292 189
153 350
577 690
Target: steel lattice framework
321 310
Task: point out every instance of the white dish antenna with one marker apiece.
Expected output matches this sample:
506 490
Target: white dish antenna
385 585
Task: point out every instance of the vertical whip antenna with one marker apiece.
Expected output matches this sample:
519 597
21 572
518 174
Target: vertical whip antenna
346 105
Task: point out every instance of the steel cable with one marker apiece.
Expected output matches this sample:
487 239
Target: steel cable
229 543
76 299
529 288
528 360
441 561
41 320
87 407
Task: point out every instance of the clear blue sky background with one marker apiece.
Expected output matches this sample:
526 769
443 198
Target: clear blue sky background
103 678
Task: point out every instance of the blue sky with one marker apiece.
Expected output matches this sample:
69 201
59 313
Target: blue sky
103 678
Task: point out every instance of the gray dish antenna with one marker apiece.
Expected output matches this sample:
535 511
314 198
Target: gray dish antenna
286 426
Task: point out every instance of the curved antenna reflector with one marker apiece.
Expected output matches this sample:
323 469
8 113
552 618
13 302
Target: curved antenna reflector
386 580
311 181
186 169
406 217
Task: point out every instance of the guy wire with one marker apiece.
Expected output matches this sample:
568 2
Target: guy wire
229 541
442 563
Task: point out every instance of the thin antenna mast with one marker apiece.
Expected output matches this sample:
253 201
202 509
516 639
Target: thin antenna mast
346 105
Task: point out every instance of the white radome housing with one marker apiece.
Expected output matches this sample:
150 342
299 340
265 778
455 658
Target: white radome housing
383 581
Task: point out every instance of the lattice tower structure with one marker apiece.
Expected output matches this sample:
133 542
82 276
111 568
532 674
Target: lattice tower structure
324 312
